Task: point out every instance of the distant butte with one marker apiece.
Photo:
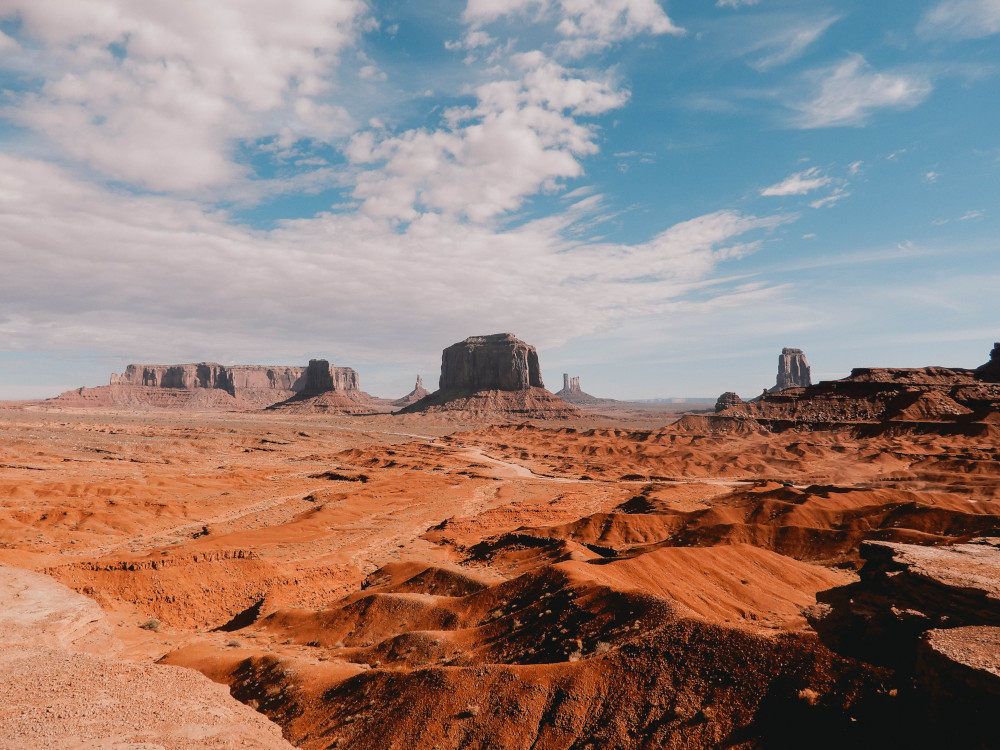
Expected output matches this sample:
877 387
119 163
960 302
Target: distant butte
496 376
793 370
209 386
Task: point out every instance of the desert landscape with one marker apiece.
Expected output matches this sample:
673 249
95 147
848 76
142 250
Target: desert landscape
192 560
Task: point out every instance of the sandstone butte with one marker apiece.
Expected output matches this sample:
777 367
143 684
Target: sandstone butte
815 568
492 375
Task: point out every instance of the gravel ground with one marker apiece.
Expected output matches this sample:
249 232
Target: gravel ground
64 687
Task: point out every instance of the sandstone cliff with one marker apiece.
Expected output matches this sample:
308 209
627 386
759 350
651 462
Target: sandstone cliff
209 386
492 376
921 395
793 370
500 362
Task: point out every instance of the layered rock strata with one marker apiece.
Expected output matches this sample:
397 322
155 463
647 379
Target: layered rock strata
793 370
882 395
209 386
492 376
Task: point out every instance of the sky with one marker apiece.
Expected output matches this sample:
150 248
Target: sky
659 196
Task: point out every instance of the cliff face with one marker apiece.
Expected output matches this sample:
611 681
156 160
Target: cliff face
231 378
492 376
793 370
878 394
497 362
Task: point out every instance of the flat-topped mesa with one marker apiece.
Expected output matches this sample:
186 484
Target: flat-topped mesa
793 370
499 361
232 378
212 375
495 376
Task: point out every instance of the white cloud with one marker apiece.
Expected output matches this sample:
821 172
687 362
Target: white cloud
155 94
519 138
848 93
931 176
139 276
788 42
799 183
734 3
961 19
605 21
831 199
854 168
974 214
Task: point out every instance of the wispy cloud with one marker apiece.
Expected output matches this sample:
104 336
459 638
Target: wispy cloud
961 19
849 92
788 42
799 183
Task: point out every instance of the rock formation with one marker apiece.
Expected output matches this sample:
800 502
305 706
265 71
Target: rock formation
793 370
727 400
481 363
413 396
932 614
990 372
922 395
209 386
496 375
574 394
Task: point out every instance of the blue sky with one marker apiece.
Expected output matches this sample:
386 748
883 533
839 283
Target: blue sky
659 196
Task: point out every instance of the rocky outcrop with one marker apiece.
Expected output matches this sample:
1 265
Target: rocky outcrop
793 370
727 400
492 376
209 386
499 362
232 377
906 590
990 372
574 394
413 396
932 397
933 615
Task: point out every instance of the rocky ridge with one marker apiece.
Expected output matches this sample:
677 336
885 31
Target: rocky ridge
921 395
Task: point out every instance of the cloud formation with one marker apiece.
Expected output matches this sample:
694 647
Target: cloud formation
961 19
799 183
154 94
849 92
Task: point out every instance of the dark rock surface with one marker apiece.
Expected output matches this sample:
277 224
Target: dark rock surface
990 371
793 370
492 376
726 400
499 361
906 590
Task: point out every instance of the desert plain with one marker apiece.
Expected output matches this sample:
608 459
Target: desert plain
616 578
